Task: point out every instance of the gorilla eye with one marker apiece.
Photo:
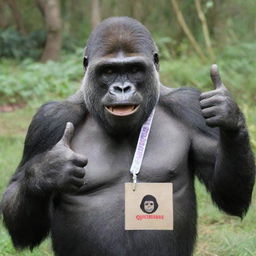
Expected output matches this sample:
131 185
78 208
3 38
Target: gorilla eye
136 72
135 69
108 71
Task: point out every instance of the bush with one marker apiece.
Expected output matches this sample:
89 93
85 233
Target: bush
14 45
25 81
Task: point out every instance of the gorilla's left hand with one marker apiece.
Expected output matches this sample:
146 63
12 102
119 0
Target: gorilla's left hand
218 107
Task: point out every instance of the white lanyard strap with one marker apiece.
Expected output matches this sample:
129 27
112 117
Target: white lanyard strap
140 148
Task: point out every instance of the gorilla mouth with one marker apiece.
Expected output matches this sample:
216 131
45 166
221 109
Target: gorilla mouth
122 110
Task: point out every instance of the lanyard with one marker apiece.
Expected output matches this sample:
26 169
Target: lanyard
140 148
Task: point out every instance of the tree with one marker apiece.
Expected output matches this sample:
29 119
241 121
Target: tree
205 29
17 16
50 10
96 13
186 30
3 22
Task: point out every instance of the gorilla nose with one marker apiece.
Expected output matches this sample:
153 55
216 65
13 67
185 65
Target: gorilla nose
122 88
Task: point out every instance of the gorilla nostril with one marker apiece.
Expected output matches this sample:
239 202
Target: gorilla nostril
122 89
118 88
127 88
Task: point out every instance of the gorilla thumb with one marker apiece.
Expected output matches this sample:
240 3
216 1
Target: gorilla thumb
215 76
68 134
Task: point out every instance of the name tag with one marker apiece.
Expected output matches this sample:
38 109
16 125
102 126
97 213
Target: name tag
149 207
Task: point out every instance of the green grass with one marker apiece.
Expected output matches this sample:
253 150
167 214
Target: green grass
223 235
13 127
219 234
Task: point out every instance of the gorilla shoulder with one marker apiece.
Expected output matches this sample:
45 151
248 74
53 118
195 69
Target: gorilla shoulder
183 103
48 125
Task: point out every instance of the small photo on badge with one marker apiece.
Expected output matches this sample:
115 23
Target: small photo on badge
149 204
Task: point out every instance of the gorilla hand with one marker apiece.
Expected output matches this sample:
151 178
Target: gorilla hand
62 170
218 107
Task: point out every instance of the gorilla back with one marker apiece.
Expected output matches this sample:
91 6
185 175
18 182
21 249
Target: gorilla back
78 153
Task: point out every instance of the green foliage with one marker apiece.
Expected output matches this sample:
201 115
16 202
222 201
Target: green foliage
14 45
27 80
236 64
164 44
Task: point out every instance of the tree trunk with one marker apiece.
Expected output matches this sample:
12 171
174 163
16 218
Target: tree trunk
17 16
186 30
96 13
41 6
51 13
217 21
3 22
206 34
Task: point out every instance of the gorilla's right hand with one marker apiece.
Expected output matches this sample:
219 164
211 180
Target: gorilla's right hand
61 169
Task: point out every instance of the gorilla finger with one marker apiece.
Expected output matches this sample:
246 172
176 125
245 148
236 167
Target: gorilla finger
78 172
212 101
206 95
209 112
77 182
207 103
213 121
80 160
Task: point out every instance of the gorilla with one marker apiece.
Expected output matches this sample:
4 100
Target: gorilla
77 154
149 204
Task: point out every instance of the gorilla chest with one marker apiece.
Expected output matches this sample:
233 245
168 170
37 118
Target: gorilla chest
109 161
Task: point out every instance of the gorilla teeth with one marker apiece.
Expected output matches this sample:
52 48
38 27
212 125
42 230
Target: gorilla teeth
122 110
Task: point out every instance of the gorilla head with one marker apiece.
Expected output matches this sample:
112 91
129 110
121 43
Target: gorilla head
149 204
121 83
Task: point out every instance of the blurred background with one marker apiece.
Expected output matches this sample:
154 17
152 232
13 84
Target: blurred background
41 50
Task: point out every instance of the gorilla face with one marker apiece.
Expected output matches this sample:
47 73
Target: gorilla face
121 84
149 206
121 91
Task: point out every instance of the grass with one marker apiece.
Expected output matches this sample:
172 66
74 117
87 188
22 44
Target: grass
223 235
13 127
219 234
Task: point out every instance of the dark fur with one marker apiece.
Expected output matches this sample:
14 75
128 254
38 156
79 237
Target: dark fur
115 34
183 103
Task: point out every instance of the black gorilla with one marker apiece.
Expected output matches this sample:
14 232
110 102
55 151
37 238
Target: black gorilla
149 204
81 205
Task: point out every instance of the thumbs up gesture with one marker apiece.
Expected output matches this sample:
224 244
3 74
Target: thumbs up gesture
218 107
63 169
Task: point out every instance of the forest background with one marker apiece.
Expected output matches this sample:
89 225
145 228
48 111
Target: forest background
41 50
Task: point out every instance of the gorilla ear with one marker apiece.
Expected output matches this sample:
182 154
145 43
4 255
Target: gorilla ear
85 62
156 60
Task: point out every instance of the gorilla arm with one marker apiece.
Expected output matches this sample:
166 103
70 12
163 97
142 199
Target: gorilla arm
25 204
225 165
